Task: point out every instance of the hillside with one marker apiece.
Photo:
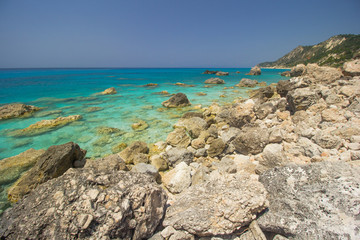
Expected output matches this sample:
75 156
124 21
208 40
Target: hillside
332 52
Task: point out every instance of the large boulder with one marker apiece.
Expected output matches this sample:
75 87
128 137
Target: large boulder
14 110
216 147
317 201
273 156
52 164
255 71
178 179
263 94
85 204
178 138
214 81
251 140
297 71
178 100
218 207
111 162
352 68
322 74
245 82
238 115
193 125
302 98
285 86
131 152
176 155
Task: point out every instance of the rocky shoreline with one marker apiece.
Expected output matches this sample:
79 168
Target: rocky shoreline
283 164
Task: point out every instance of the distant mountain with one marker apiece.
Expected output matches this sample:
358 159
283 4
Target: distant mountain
332 52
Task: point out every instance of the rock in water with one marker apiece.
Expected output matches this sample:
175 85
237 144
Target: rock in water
52 164
217 207
245 82
255 71
109 91
14 110
178 100
222 73
214 81
317 201
84 203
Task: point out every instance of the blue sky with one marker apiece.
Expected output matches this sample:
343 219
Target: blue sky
165 33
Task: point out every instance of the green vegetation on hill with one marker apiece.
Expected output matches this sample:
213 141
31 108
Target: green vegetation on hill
332 52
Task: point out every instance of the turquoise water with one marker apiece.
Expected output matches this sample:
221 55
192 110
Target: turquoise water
64 92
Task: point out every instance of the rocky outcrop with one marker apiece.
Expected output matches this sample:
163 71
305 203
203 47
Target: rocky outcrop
178 138
109 91
317 201
302 98
112 162
52 164
210 72
217 207
84 203
178 100
219 73
193 125
251 140
45 126
130 153
352 68
255 71
178 179
15 110
322 74
214 81
245 82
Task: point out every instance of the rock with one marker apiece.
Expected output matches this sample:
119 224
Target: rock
251 140
118 147
193 125
178 138
198 143
332 115
217 207
210 72
263 110
201 94
111 162
129 153
216 147
177 155
276 135
159 162
302 98
327 140
109 91
151 85
45 126
322 74
245 82
273 156
285 86
352 68
178 179
229 134
15 110
263 93
140 126
11 168
84 203
178 100
192 114
109 131
238 115
297 71
52 164
148 169
214 81
316 201
140 158
255 71
93 109
219 73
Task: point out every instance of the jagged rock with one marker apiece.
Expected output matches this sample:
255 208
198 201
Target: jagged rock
297 71
11 168
302 98
263 93
217 146
285 86
214 81
238 115
352 68
332 115
177 155
219 73
129 153
178 100
322 74
52 164
316 201
148 169
255 71
245 82
263 110
251 140
218 207
273 156
15 110
159 162
198 143
193 125
141 158
285 74
109 91
178 138
45 126
178 179
84 203
111 162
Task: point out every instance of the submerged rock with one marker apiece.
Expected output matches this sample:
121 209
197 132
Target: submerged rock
140 125
214 81
85 203
255 71
109 91
52 164
245 82
178 100
15 110
317 201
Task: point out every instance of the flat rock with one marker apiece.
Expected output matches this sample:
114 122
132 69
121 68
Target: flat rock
219 73
84 204
178 100
15 110
214 81
352 68
218 207
316 201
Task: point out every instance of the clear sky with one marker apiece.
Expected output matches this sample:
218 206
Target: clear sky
165 33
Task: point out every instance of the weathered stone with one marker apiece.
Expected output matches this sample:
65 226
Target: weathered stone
140 158
84 203
255 71
178 179
297 71
352 68
322 74
192 114
193 125
276 135
245 82
214 81
238 115
332 115
263 94
229 134
302 98
129 153
251 140
273 156
218 207
317 201
109 91
219 73
198 143
178 100
15 110
178 138
177 155
148 169
159 162
327 140
52 164
111 162
140 125
216 147
209 72
264 109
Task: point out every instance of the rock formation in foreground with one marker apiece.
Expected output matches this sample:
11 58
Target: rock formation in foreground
15 110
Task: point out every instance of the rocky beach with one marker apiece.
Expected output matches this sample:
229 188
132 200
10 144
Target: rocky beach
281 164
